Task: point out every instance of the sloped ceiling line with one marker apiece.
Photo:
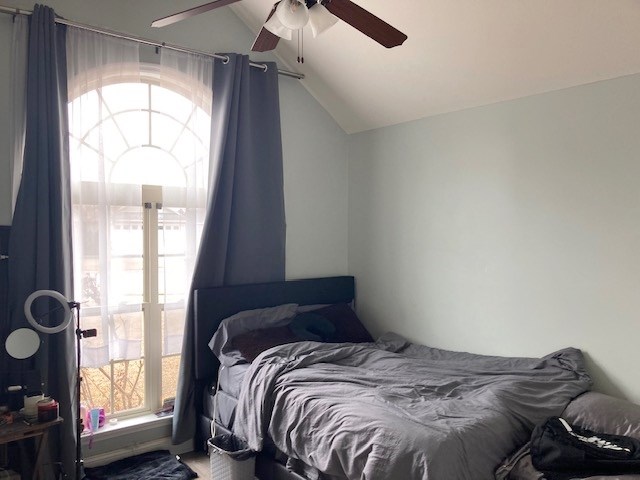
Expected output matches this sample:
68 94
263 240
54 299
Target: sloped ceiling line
459 54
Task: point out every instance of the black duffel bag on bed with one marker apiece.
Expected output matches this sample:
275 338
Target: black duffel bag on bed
562 451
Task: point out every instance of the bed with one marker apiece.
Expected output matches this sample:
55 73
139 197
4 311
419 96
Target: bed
364 404
213 305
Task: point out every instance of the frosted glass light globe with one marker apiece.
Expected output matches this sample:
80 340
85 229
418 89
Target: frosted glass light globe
293 14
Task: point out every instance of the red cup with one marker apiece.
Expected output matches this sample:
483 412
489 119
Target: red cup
48 410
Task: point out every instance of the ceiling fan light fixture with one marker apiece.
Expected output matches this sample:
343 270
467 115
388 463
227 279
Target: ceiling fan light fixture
320 19
293 14
277 28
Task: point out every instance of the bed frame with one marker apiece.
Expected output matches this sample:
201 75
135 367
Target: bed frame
212 305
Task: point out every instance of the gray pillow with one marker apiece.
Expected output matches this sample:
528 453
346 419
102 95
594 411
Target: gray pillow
591 410
603 413
221 343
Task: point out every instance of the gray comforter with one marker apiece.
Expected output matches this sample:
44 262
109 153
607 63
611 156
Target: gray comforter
395 410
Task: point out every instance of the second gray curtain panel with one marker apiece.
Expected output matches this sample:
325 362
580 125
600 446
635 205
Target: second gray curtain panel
244 233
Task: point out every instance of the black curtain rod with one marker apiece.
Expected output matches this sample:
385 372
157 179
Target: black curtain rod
145 41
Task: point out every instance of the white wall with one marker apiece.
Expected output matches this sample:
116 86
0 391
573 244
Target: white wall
314 146
510 229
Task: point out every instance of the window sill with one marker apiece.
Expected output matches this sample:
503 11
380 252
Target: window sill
127 426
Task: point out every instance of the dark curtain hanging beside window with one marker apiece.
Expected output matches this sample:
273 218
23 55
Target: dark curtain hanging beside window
244 232
40 237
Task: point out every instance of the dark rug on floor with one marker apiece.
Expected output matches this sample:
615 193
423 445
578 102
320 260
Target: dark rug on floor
146 466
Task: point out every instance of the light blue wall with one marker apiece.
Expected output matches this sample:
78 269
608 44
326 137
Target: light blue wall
315 148
508 229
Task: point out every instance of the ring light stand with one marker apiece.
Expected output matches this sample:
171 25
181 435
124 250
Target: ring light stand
66 306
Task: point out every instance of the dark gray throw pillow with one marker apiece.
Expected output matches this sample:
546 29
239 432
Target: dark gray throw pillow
312 326
333 324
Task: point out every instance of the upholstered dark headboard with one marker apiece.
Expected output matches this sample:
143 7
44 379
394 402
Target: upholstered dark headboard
212 305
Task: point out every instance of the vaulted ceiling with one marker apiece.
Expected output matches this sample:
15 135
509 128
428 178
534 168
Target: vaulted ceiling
460 54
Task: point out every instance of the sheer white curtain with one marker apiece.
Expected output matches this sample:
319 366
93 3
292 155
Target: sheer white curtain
140 159
182 216
19 45
107 215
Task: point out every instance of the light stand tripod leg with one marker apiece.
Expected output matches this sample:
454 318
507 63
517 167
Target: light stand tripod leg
79 425
80 334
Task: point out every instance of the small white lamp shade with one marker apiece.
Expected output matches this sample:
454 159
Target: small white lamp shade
293 14
64 304
277 28
320 19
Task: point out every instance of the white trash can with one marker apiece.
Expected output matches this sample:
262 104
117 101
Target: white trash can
231 458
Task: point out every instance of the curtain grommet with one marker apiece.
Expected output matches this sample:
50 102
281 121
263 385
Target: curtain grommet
226 60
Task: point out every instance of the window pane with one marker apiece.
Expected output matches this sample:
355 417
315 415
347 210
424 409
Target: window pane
172 328
96 388
108 139
85 162
134 127
148 166
84 113
170 373
125 246
164 100
189 148
112 359
127 336
164 131
201 126
174 273
127 380
120 97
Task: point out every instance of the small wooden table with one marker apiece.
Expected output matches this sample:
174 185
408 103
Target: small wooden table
17 431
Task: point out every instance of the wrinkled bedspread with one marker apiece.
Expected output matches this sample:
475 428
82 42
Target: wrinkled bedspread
396 410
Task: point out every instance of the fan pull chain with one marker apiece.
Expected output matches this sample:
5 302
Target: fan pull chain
300 46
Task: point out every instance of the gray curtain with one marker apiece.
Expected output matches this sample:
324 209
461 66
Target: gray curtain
244 233
40 238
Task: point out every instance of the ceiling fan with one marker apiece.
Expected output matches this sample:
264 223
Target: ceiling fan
287 16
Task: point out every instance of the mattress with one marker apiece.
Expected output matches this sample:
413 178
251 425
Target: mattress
230 383
230 379
224 411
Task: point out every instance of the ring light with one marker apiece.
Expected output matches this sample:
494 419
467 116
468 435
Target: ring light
64 303
66 306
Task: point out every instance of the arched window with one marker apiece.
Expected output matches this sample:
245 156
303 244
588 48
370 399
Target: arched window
139 151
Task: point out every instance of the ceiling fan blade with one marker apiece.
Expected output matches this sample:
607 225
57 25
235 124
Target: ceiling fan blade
176 17
266 41
366 22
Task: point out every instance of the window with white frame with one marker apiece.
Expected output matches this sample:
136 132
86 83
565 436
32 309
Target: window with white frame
139 161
